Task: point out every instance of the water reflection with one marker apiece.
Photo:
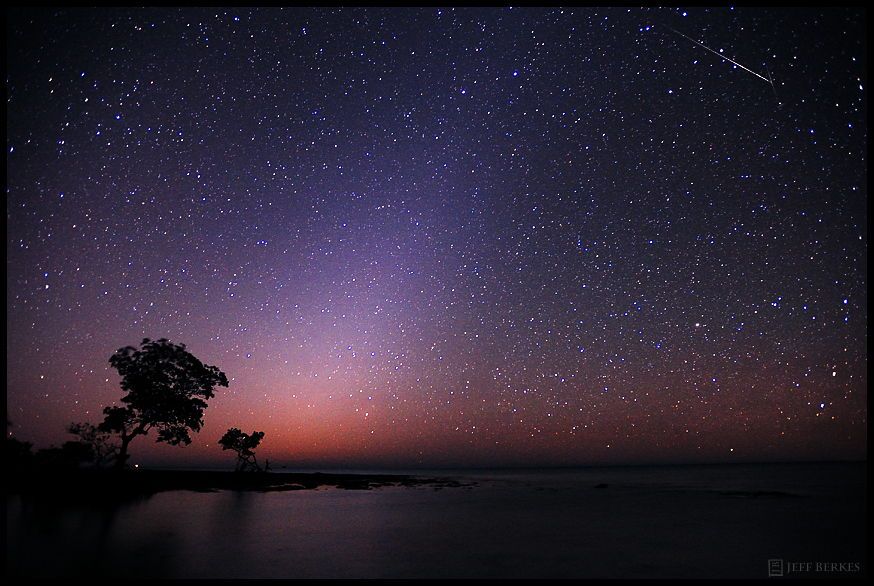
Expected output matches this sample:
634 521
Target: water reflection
52 537
662 523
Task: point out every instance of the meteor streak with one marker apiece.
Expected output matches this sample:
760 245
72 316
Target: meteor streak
721 56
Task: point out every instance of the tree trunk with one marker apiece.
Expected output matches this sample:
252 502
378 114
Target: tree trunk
121 458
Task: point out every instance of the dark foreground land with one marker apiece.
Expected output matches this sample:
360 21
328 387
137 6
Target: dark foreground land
84 484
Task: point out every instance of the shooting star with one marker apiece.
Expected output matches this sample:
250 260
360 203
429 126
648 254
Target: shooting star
770 79
721 56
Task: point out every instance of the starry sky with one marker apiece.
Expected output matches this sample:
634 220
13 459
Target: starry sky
445 237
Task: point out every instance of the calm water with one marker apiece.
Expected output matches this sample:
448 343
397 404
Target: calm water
695 521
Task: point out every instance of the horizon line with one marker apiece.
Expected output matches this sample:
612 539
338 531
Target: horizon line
352 468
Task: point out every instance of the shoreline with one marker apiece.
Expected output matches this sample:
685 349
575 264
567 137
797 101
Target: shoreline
100 484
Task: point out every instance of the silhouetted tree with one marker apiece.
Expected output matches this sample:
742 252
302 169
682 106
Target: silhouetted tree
167 388
70 455
104 449
16 453
244 445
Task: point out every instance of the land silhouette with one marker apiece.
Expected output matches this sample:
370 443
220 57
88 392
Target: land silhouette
166 389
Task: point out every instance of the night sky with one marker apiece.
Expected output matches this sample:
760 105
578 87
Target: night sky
445 237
